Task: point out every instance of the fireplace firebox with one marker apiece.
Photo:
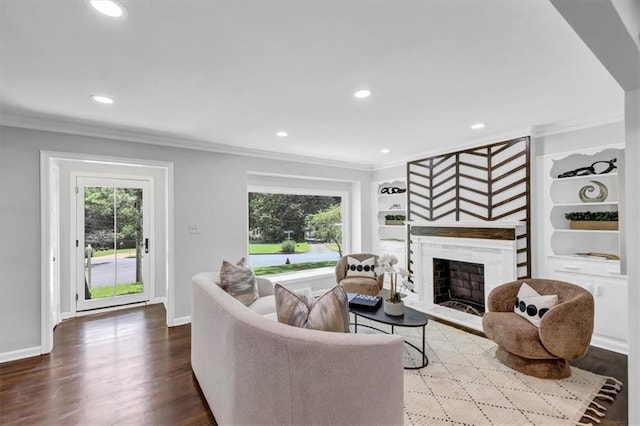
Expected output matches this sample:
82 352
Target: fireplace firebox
459 285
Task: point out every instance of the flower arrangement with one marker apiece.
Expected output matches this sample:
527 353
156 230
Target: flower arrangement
388 264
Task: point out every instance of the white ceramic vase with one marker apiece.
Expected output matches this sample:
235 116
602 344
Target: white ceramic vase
394 309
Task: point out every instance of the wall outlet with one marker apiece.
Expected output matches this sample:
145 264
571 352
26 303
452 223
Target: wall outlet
194 229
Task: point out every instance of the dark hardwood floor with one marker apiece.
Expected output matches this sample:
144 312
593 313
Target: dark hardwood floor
124 367
127 368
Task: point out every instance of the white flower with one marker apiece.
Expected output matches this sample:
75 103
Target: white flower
387 260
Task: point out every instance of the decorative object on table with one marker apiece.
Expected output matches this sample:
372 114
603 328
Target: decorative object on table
395 207
388 264
603 192
597 168
394 219
392 190
602 221
365 301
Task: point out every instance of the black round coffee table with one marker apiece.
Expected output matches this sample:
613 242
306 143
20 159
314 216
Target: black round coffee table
411 318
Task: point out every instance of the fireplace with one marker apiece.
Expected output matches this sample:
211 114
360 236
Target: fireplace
490 250
459 285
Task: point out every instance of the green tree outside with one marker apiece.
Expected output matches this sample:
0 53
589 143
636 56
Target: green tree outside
327 225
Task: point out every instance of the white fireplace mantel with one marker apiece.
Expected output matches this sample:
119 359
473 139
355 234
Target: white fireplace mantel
498 256
468 224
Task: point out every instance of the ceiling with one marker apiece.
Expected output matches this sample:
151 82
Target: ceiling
232 74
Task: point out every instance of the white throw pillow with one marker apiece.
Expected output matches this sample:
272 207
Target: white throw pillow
532 305
365 268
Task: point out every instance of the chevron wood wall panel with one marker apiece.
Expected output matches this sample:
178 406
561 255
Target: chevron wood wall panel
487 183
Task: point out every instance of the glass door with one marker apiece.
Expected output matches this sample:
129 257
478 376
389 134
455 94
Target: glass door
112 242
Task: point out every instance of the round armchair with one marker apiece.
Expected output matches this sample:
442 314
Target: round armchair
370 285
564 333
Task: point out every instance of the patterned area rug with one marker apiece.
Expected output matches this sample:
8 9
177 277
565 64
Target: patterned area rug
465 384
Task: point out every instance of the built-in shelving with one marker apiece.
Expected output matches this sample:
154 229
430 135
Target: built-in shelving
390 199
566 249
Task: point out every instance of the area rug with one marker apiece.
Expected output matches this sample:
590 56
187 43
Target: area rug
464 384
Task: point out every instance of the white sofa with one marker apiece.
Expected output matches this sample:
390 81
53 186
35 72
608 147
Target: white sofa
256 371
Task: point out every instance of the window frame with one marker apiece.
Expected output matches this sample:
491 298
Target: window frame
345 212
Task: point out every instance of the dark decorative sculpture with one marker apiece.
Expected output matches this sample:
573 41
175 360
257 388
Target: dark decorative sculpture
392 190
592 169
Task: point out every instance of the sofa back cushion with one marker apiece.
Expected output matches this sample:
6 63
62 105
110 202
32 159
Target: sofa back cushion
330 312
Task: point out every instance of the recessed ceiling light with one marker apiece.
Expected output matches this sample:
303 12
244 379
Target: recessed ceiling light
477 126
362 94
385 151
102 99
282 134
107 7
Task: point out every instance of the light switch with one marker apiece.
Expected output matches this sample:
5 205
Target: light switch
194 229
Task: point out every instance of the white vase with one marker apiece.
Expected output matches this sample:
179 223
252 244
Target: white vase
394 309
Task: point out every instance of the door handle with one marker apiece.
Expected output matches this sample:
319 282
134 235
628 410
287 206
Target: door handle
146 245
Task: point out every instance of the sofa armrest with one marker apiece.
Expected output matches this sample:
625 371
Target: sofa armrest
566 329
503 297
265 287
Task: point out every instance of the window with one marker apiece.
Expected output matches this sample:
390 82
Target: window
291 231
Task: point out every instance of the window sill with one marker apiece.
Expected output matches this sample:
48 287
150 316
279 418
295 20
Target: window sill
302 276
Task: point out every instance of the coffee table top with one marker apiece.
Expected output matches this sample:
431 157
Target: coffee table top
411 317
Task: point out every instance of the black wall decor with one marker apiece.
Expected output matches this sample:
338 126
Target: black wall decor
487 183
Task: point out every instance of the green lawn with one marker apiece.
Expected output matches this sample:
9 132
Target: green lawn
281 269
274 248
121 289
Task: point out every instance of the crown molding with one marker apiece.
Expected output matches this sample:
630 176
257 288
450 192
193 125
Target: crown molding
576 125
467 144
126 134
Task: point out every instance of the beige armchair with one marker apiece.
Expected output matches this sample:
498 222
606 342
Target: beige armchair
564 333
362 285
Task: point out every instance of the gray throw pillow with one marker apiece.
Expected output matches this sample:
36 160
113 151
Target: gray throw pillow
239 281
328 313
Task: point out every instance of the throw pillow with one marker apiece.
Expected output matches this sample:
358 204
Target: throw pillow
239 281
328 313
224 281
532 305
364 268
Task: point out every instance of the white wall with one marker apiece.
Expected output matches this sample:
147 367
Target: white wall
210 191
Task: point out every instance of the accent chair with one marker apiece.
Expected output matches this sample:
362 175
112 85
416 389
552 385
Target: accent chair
564 333
358 284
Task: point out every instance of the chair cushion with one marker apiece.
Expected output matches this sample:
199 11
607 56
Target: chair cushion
330 312
364 268
514 334
532 306
361 285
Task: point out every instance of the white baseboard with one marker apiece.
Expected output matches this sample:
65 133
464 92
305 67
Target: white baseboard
20 354
181 321
162 300
610 344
